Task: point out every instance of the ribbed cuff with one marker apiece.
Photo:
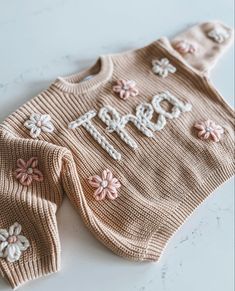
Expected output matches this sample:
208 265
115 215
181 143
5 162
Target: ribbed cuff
19 274
159 239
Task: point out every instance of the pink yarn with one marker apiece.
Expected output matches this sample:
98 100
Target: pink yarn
185 47
209 130
27 171
106 185
126 88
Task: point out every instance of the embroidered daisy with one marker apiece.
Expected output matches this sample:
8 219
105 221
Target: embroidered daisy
126 89
184 47
218 35
27 171
209 130
38 123
163 67
106 185
12 243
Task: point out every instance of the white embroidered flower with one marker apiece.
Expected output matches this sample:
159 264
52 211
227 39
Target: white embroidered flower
163 67
38 123
12 244
218 35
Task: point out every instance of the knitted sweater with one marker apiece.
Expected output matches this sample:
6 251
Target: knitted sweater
136 142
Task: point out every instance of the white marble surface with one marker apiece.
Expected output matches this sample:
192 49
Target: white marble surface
43 39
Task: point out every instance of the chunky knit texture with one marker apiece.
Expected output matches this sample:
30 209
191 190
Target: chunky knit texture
162 180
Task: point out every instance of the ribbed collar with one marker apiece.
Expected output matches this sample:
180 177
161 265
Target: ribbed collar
101 72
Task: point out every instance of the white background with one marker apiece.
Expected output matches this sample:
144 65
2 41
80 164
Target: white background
40 40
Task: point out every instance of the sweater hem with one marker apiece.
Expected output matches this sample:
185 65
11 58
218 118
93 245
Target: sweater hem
186 207
18 275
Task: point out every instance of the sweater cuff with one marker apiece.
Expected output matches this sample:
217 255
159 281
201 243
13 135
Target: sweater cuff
202 45
17 274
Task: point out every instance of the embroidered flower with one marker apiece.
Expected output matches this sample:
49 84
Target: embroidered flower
106 185
163 67
218 35
126 88
12 244
209 130
27 171
38 123
184 47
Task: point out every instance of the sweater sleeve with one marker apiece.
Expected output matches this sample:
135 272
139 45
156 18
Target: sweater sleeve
203 44
30 194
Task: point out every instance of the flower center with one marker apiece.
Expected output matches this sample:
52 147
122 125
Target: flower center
208 129
125 87
183 45
12 239
39 123
104 183
30 171
164 67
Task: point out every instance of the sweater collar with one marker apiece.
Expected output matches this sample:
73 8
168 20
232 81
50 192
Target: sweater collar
88 79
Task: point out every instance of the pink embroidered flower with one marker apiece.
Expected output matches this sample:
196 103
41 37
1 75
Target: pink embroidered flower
185 47
106 185
209 130
27 171
126 88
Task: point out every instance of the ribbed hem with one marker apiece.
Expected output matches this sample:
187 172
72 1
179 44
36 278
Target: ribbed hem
19 274
191 201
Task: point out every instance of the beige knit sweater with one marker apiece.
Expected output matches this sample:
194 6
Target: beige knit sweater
136 142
